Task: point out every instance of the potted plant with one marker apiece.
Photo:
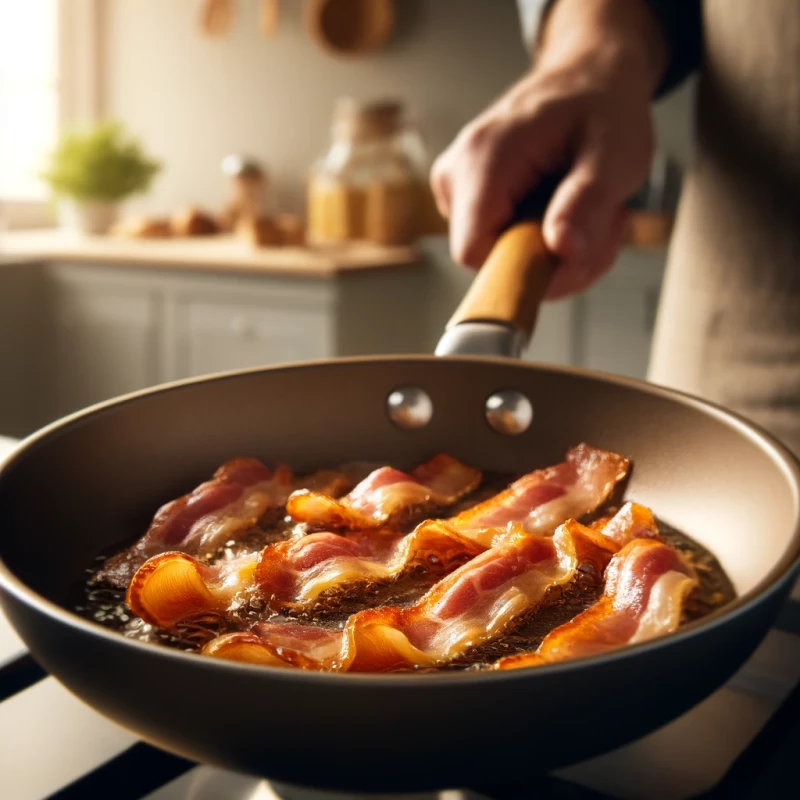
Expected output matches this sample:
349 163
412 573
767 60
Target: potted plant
90 173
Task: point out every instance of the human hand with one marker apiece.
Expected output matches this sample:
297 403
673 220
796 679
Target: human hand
584 111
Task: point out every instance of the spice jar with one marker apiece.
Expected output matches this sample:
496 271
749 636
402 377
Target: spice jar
364 187
247 188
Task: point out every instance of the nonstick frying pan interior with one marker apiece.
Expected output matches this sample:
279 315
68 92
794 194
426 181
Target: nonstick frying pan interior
95 479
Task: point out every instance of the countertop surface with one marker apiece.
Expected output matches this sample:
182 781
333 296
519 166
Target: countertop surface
220 253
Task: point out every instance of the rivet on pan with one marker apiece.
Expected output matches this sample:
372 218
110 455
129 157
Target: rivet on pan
410 407
509 412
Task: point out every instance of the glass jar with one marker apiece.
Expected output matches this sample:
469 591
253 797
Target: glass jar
247 190
364 187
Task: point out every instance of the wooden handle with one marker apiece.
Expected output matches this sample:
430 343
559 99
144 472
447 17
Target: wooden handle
512 282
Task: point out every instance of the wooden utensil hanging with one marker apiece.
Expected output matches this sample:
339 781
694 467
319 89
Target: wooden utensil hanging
268 17
216 17
350 27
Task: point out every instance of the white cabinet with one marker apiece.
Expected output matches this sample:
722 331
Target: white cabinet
93 331
614 320
24 336
554 341
214 337
115 329
609 327
105 343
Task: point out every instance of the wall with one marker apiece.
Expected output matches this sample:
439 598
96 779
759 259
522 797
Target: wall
192 100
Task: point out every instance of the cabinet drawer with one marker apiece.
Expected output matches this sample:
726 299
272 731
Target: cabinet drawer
219 336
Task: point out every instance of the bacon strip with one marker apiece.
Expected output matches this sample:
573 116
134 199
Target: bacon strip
294 573
475 603
386 495
229 505
543 499
236 497
646 585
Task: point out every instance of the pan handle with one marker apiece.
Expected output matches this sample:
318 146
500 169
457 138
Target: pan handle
498 314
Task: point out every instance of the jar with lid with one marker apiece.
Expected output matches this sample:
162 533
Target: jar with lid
247 190
364 187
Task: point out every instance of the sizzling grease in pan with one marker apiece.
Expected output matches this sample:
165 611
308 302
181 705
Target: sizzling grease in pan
376 570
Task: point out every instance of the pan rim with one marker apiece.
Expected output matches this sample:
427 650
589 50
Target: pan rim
787 568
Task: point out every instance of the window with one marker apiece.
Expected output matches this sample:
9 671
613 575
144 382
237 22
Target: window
49 78
29 94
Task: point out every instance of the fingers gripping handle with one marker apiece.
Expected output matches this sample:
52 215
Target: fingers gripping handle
498 314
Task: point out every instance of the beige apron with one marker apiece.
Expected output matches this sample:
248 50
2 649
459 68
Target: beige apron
729 322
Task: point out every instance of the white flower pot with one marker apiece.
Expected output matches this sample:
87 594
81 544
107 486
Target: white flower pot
87 218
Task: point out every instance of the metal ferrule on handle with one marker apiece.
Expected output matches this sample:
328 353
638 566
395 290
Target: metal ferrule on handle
498 314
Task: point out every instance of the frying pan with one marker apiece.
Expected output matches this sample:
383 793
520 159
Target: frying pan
95 478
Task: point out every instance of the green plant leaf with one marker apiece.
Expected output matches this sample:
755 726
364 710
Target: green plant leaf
103 164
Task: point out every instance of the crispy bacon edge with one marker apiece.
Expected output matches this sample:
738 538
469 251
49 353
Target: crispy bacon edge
647 583
387 496
172 587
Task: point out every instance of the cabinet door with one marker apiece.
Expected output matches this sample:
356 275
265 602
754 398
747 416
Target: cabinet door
615 318
105 343
215 336
553 338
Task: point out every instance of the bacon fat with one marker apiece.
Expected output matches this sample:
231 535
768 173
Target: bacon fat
543 499
229 505
294 573
647 583
172 587
474 604
386 496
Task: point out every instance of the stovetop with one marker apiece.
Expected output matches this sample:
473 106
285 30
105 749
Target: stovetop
741 742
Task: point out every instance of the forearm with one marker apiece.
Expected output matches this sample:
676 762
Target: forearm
680 23
583 111
615 36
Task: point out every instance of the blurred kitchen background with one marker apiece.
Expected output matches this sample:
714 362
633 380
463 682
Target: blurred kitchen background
200 185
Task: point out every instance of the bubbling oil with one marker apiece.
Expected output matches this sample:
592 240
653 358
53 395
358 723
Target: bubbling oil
103 603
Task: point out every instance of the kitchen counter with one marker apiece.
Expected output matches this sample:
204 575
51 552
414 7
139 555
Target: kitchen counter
87 318
213 253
